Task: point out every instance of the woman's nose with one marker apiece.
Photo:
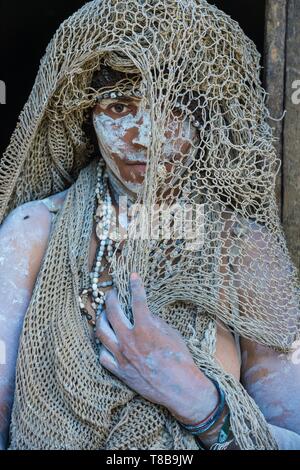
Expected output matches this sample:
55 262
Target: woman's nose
143 131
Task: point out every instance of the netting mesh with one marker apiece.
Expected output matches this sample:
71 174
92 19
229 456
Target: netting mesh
191 64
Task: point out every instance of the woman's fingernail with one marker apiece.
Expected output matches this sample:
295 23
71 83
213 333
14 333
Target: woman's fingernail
134 276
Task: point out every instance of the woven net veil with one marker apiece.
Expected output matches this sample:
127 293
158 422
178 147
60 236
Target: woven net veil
192 58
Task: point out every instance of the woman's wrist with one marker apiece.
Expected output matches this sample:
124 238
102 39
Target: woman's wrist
198 402
212 436
208 408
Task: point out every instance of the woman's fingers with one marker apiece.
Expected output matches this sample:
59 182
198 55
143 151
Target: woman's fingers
115 314
139 299
107 360
106 334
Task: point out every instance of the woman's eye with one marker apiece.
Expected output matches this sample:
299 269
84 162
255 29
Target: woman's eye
118 108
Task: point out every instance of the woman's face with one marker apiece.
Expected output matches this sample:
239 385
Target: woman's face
123 130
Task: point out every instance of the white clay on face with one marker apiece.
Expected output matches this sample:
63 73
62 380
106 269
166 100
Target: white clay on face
111 134
144 130
172 146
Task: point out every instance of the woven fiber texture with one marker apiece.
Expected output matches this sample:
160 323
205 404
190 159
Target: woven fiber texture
189 60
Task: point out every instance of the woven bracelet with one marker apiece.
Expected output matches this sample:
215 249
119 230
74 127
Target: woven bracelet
208 423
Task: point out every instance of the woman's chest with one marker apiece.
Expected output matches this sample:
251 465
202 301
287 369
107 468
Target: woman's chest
100 276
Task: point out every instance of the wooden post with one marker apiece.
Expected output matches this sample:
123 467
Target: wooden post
274 74
291 134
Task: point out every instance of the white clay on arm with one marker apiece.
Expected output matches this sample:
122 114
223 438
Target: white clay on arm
287 440
273 381
23 240
270 377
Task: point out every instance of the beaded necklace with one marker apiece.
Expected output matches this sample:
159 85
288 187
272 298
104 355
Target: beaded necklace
104 250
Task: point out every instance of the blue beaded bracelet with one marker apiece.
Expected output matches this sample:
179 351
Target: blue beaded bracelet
198 429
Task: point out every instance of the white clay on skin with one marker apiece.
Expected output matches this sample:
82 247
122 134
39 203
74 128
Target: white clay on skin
111 132
284 399
17 237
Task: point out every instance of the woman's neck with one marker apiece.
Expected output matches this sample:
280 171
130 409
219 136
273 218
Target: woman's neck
118 190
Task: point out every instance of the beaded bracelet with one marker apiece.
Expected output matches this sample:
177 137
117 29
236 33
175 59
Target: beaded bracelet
211 420
223 441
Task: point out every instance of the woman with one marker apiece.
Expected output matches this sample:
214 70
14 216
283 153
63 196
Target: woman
170 97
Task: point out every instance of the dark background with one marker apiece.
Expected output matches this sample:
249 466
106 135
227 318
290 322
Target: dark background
27 26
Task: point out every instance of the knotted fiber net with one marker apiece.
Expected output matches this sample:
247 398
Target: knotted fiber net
191 63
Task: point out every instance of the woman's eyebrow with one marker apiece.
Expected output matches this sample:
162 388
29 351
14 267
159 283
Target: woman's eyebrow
119 98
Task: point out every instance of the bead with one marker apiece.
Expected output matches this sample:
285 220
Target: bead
105 223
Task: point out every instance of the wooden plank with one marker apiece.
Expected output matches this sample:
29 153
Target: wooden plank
274 75
291 138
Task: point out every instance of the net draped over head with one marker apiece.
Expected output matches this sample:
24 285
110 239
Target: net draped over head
192 58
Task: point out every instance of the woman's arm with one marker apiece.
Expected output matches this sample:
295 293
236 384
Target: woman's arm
23 240
152 358
287 440
271 378
273 381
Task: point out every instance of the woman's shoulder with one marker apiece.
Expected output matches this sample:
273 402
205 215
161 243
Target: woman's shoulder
236 225
24 237
32 220
55 202
246 236
254 241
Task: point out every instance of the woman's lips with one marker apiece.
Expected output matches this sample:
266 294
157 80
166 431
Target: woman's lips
139 167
